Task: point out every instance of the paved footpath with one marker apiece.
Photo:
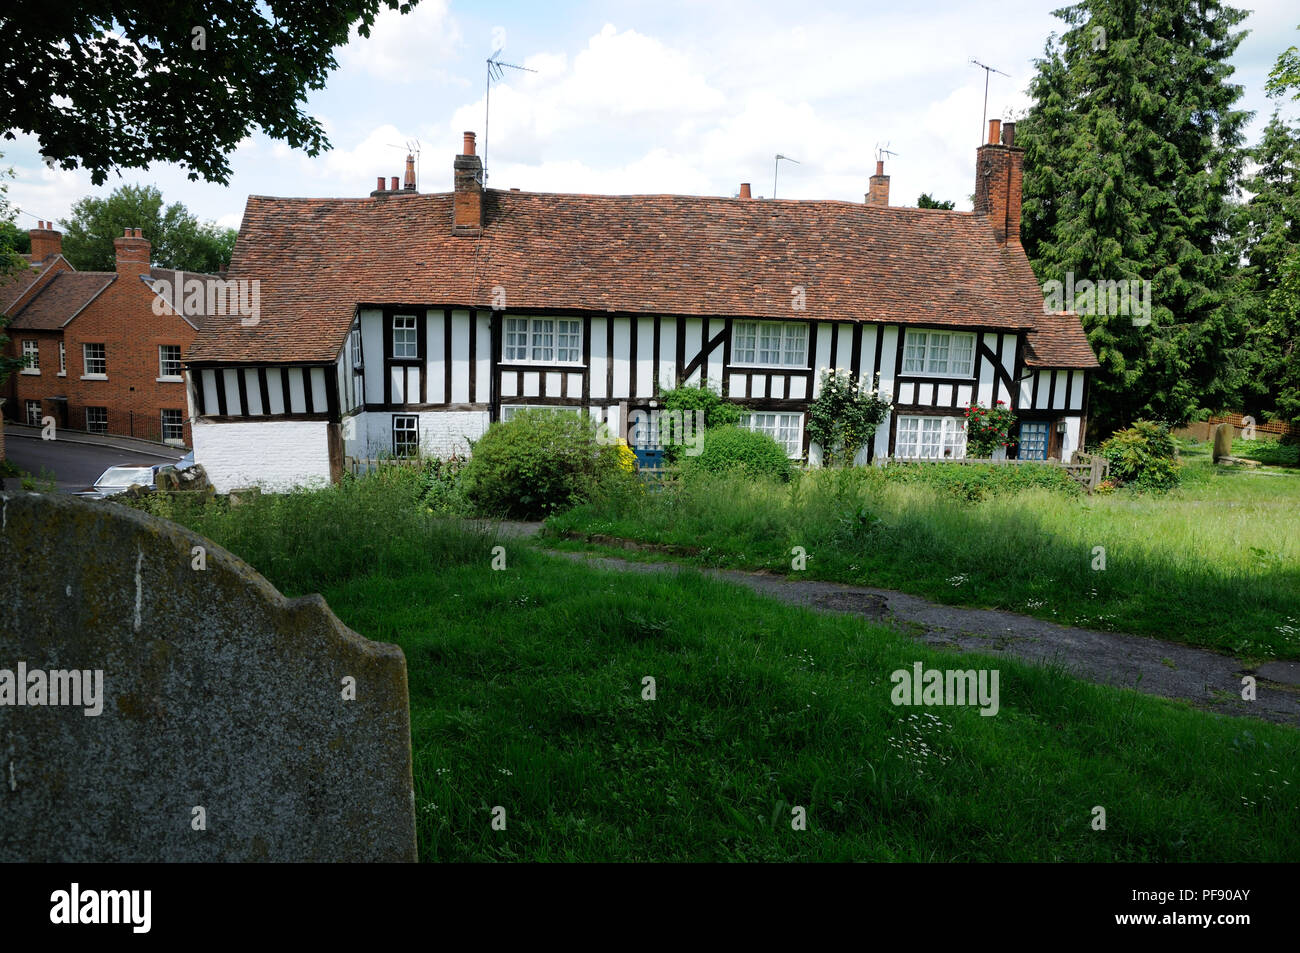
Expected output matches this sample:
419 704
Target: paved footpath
1206 679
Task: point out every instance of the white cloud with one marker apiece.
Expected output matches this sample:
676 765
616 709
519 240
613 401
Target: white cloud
406 48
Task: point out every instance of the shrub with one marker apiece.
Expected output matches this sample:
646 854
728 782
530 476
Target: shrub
988 428
844 417
686 401
439 484
540 462
734 448
1143 455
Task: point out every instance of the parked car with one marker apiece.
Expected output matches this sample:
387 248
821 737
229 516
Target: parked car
121 478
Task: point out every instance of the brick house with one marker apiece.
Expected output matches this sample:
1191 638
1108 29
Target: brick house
104 349
405 322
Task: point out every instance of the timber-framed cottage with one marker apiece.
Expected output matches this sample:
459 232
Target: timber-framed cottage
406 321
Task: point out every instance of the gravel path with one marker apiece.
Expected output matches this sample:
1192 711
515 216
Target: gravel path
1206 679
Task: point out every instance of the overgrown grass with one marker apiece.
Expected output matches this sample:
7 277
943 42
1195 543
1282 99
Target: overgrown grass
1215 562
527 693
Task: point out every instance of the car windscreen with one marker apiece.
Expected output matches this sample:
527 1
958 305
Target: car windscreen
125 476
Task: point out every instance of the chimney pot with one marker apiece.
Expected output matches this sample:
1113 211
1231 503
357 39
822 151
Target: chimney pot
394 183
469 144
880 167
744 190
408 183
995 129
1008 133
126 233
379 187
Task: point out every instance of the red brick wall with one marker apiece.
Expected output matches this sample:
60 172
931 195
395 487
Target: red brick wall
24 387
122 319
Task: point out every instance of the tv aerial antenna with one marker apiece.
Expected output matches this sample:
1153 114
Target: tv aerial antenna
882 151
988 70
412 148
496 70
777 169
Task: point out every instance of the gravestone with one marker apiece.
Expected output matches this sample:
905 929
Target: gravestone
160 700
1223 435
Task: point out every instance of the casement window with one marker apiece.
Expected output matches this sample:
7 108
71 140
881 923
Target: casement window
94 360
356 348
769 343
169 362
1033 440
406 343
406 435
542 340
173 425
31 357
34 413
930 438
510 410
63 359
785 429
940 353
97 419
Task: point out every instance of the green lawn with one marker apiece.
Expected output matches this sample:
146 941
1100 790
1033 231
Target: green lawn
1215 562
526 692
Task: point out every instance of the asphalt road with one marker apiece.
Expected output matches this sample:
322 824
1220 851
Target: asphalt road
75 465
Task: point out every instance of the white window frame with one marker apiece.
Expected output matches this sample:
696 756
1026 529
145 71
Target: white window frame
163 376
542 340
355 342
779 430
414 421
769 344
929 353
32 351
63 359
95 429
509 410
410 338
33 420
179 425
921 437
88 374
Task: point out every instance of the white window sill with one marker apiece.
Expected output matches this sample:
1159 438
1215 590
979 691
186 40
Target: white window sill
94 377
734 366
169 380
566 365
939 377
61 374
30 372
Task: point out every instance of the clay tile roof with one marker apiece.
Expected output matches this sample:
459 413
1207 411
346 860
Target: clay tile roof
1058 340
317 259
12 286
59 301
191 307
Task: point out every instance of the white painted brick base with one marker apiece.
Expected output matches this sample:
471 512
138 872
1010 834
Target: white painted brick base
442 432
276 455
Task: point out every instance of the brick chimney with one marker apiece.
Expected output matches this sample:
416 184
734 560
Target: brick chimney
467 215
408 182
45 241
878 186
132 253
744 191
999 175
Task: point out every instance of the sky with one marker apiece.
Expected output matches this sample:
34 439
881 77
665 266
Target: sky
656 96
